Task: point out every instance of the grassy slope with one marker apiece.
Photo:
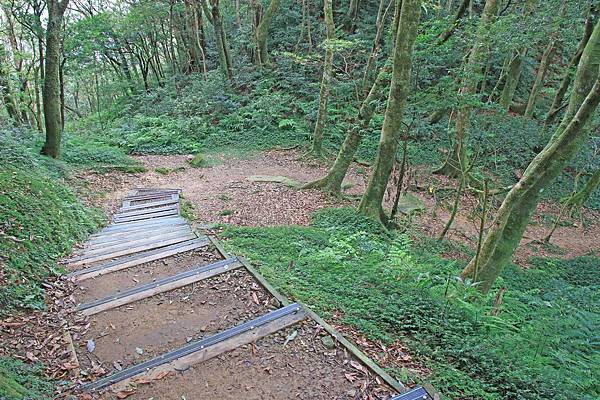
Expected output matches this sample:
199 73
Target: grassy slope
388 288
40 219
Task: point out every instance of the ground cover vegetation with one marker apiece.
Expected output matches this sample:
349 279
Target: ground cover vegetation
499 95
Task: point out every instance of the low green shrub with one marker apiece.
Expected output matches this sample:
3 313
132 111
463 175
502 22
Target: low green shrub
19 381
536 346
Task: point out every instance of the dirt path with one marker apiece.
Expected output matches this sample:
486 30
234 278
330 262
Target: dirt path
223 193
220 336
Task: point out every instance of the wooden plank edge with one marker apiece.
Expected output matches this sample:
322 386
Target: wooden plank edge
393 383
355 351
136 262
159 289
71 347
209 352
144 236
147 246
257 275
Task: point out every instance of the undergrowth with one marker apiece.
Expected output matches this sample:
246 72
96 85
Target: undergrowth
19 381
542 343
40 219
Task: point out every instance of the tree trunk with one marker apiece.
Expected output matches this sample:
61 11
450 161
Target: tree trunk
317 145
6 90
351 15
214 17
580 198
262 33
379 23
460 13
512 79
459 160
332 182
406 34
51 91
539 78
521 201
568 76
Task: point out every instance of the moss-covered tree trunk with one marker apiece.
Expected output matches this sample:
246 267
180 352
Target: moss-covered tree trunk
351 15
521 201
458 159
6 89
51 90
332 182
262 33
580 198
406 34
379 24
317 144
539 78
512 79
214 16
568 75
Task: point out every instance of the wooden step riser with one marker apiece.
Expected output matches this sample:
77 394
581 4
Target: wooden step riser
131 250
160 289
141 259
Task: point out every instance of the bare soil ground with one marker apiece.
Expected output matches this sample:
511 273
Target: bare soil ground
273 368
119 281
223 193
147 328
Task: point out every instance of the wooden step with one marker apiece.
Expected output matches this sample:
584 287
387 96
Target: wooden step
137 259
204 349
163 285
130 247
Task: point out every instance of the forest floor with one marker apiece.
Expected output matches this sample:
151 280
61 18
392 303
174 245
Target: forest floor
223 193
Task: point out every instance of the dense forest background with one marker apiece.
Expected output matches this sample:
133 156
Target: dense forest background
487 87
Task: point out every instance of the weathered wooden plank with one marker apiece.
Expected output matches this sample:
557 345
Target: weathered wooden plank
138 224
146 211
130 249
164 285
330 329
147 205
111 240
204 349
129 242
418 393
159 190
120 220
137 259
152 196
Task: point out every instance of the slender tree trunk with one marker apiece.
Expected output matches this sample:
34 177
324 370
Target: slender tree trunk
371 202
51 92
581 197
521 201
6 90
317 145
262 33
460 13
568 76
351 15
332 182
214 17
539 78
459 160
512 78
379 23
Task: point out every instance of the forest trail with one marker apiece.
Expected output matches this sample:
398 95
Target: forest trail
222 193
167 314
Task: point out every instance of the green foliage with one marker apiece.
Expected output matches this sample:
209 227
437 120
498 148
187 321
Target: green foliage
198 161
40 220
390 287
19 381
